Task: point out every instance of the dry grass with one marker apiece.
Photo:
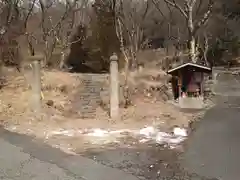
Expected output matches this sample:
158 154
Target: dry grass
58 89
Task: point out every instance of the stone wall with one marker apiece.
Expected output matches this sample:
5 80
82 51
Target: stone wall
191 103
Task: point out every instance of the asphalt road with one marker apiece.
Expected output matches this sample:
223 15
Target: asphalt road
17 165
212 152
24 158
213 149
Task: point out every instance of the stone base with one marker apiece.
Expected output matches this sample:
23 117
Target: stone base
191 102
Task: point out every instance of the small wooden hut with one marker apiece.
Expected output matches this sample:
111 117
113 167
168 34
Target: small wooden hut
187 84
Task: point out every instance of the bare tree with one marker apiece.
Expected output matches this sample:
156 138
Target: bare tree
49 25
11 27
188 9
29 10
76 20
204 47
51 22
130 18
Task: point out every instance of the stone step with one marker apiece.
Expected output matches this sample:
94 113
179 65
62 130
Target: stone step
92 89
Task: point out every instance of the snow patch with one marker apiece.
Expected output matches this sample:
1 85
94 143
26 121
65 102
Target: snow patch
147 131
98 133
180 132
63 132
178 136
144 135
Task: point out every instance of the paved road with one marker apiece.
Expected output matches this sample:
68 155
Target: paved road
23 158
213 150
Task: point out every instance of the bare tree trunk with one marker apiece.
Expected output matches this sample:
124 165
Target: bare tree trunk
126 93
30 45
168 41
187 12
133 58
192 50
45 59
206 48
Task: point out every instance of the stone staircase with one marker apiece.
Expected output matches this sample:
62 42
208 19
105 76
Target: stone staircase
88 98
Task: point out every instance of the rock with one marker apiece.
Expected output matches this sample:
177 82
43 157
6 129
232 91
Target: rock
50 103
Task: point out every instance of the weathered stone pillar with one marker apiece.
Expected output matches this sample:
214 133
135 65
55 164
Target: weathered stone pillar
36 85
114 87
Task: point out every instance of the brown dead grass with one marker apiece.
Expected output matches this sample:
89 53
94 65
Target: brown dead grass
17 115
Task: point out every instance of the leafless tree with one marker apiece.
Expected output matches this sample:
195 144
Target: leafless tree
78 16
188 9
203 45
11 27
130 18
51 24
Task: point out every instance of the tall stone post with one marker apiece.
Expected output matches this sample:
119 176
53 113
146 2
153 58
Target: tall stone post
114 87
36 85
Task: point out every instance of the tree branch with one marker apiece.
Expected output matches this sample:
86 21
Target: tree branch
173 3
30 10
205 17
157 7
199 7
146 11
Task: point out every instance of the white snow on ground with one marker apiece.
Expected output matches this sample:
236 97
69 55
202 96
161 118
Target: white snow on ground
180 132
98 133
147 131
101 136
63 132
178 136
144 135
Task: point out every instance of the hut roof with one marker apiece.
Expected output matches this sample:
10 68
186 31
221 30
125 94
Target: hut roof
199 67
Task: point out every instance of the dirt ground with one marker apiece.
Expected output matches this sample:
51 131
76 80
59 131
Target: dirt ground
16 112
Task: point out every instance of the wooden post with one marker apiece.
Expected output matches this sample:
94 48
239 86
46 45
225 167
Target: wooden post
180 82
202 85
114 87
36 85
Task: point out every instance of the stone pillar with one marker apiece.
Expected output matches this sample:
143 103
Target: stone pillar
114 87
36 85
215 73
